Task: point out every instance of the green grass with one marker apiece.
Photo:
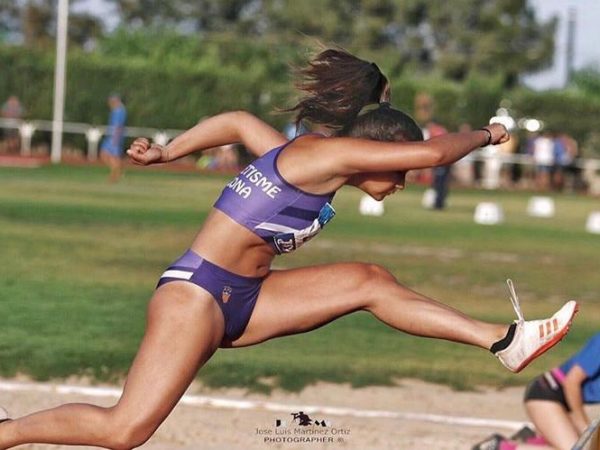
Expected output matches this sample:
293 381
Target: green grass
80 259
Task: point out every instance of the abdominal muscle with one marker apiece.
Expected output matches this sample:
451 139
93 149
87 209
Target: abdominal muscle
233 247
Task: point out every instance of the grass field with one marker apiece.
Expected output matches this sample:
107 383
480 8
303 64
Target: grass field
80 259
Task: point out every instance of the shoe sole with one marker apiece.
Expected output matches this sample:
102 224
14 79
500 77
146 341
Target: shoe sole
548 345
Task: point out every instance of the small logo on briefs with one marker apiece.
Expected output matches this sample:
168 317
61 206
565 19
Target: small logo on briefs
226 294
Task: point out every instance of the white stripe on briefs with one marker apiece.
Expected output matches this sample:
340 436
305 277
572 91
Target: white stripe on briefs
276 228
181 274
229 403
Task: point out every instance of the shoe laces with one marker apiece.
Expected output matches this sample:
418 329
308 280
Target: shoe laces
514 299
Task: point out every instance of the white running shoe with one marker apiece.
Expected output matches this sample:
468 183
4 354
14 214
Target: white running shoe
534 337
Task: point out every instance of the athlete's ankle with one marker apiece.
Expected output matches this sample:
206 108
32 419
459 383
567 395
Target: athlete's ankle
505 341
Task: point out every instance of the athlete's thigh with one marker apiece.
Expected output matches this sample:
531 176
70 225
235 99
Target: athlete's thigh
553 422
184 328
298 300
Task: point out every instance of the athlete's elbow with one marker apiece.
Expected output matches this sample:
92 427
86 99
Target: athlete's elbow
238 121
237 116
240 113
436 157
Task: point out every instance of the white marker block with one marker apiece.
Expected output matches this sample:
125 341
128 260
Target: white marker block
488 213
370 207
541 207
593 223
428 200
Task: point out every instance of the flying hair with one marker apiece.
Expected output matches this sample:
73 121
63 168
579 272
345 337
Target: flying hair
336 86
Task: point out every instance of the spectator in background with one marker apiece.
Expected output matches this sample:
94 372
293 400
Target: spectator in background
111 148
561 161
227 158
475 157
565 169
12 109
543 158
223 158
554 401
424 111
508 151
570 173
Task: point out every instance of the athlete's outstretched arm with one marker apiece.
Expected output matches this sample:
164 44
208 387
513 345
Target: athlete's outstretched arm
226 128
347 156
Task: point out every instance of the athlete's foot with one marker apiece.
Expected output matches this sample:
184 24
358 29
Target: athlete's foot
532 338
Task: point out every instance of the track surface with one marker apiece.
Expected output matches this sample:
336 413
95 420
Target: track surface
413 415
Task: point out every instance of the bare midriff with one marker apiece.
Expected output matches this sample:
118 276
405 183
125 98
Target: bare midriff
233 247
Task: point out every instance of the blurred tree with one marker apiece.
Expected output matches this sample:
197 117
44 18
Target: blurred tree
491 37
456 39
84 29
191 15
9 18
150 12
588 81
35 20
37 23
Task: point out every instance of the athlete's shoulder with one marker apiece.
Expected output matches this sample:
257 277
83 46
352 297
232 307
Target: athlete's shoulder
309 145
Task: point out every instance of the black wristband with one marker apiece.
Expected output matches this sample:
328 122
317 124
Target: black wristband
489 141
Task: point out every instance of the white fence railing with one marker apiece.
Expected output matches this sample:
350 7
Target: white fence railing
92 133
492 159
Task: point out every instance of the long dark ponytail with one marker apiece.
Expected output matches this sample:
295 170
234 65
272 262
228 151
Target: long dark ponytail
336 86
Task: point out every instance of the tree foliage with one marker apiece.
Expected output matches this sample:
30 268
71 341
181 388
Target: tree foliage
588 81
456 39
9 17
35 21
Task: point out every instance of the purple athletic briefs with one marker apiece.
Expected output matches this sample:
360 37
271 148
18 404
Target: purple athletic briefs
236 295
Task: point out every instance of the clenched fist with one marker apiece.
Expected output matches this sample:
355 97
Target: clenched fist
144 153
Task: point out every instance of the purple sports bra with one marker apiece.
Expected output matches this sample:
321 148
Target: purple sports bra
260 199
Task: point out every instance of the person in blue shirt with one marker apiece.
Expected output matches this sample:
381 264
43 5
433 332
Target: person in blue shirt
111 148
554 401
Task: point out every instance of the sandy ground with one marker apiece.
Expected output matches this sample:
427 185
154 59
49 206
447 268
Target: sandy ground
214 428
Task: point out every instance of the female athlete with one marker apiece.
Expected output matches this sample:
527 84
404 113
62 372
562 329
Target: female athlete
222 292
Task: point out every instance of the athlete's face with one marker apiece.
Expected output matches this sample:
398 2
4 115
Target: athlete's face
379 184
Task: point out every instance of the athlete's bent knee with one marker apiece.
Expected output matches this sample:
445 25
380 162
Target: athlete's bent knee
373 281
130 437
126 433
380 274
366 274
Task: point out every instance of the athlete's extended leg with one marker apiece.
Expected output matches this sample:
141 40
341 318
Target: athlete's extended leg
293 301
298 300
184 328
